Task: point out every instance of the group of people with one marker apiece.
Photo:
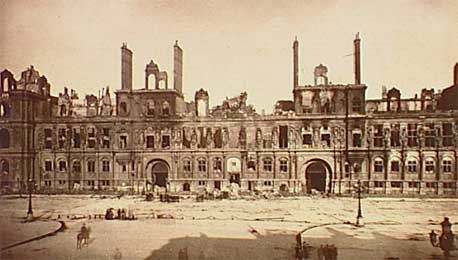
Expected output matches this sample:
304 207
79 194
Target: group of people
327 252
121 214
324 252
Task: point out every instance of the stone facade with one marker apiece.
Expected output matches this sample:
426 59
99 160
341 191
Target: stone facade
326 138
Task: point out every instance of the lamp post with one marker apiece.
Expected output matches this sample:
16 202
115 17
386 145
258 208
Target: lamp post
359 217
30 211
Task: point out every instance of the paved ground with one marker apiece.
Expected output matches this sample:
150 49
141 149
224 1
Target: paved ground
224 229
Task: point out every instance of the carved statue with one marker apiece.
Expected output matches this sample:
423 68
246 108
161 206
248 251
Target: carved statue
193 138
316 137
258 138
242 137
274 137
225 137
209 138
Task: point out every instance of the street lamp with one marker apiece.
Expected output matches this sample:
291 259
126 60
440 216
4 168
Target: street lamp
30 211
359 217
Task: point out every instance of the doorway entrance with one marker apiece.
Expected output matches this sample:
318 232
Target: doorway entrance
316 177
159 173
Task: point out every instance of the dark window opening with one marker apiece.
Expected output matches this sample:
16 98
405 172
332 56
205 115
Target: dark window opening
91 166
165 141
123 141
378 166
91 138
217 165
430 136
283 137
307 139
251 165
123 108
105 166
48 138
356 140
395 166
395 139
218 138
106 138
202 165
4 138
412 138
283 166
267 165
326 138
76 166
186 187
62 166
187 166
76 138
378 136
48 166
396 184
447 134
150 141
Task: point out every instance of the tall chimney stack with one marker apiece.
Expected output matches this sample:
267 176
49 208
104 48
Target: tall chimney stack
357 55
455 75
126 68
177 68
295 63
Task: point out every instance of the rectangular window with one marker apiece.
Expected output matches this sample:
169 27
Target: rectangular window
105 166
149 141
395 139
283 166
447 134
76 138
48 166
396 184
202 183
76 166
123 141
61 182
414 184
429 166
326 139
202 166
412 166
395 166
307 139
217 166
62 138
267 183
449 185
106 138
378 166
91 166
430 136
378 136
91 138
379 184
90 183
412 139
356 140
187 166
123 167
431 185
283 137
62 166
251 165
447 166
267 165
48 183
48 138
165 141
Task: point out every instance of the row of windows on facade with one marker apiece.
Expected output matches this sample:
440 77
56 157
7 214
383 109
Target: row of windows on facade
411 184
187 165
430 138
412 166
88 182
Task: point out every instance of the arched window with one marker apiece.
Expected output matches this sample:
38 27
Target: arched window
378 165
4 138
202 165
5 85
62 165
187 165
412 166
217 165
283 165
429 165
447 165
395 166
151 81
105 165
76 166
267 164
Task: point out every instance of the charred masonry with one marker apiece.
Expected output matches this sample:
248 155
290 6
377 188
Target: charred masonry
326 138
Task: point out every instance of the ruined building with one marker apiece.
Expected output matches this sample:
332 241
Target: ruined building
326 138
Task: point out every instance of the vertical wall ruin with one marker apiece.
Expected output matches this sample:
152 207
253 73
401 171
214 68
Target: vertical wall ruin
455 75
295 63
126 68
177 68
357 56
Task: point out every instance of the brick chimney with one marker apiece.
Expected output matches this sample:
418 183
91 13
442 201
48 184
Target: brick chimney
295 63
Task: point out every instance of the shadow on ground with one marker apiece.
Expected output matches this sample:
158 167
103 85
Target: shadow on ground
280 245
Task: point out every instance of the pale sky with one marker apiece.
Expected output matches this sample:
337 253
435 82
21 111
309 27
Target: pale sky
233 46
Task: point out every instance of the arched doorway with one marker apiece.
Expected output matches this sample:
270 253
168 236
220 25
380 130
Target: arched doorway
315 175
160 173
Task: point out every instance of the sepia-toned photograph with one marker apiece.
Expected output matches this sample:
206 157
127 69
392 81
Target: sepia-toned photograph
245 129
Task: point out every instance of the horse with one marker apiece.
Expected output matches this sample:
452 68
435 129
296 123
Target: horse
82 239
